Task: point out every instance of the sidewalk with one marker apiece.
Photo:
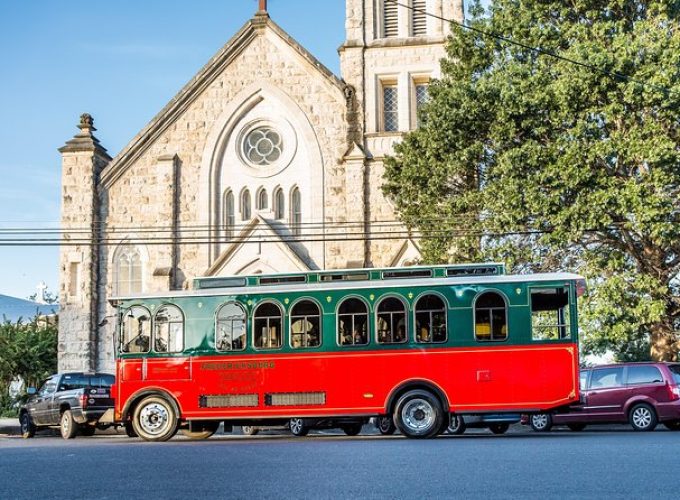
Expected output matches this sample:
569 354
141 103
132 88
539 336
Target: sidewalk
10 426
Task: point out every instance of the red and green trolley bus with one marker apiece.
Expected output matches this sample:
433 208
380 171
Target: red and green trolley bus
409 345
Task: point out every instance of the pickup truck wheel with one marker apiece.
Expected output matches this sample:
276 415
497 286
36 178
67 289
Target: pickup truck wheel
28 428
67 425
88 430
154 419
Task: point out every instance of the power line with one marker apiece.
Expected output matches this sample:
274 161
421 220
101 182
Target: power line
538 50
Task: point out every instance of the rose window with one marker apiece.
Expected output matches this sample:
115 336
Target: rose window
263 146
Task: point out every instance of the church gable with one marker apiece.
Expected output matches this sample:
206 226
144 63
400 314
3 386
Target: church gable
260 51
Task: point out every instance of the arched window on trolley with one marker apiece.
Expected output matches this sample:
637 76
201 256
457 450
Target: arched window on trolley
353 322
267 322
305 325
430 314
168 331
391 321
491 318
136 335
230 328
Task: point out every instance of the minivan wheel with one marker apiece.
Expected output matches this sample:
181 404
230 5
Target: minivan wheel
642 417
541 422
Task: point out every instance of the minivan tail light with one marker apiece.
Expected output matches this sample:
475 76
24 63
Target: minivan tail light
674 392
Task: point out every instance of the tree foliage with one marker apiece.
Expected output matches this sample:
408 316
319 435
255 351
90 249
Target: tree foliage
552 165
27 350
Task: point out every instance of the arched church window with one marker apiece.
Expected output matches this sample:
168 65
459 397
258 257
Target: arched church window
262 201
128 271
246 213
229 214
296 211
263 146
279 204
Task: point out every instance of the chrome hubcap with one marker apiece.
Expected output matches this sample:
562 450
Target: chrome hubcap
418 415
642 418
154 418
296 425
540 421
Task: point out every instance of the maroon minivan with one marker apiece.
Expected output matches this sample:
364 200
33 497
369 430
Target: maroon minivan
641 394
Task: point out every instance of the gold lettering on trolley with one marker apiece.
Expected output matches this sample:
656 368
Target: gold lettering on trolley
238 365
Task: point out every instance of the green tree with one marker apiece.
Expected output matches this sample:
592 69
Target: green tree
27 350
552 165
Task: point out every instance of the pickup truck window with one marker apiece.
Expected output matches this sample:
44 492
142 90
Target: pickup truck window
136 330
48 387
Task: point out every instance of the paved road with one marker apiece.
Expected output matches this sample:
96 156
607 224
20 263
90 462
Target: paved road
521 464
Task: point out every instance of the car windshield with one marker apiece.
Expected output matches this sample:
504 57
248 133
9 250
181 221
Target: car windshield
675 370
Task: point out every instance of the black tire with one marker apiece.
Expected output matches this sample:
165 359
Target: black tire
576 427
352 429
28 428
385 425
130 430
154 419
67 426
249 430
88 430
541 422
456 424
209 428
298 427
499 428
419 414
642 417
672 425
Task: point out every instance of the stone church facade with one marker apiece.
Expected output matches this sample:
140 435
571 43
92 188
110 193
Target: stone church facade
264 162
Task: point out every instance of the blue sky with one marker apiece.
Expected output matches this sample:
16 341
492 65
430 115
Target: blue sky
121 62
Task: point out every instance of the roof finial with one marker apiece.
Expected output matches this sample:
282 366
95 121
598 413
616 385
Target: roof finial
263 6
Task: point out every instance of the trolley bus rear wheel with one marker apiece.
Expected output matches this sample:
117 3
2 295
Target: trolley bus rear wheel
154 419
298 427
209 428
419 414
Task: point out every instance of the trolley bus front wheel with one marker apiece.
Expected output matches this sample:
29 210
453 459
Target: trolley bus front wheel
419 414
154 419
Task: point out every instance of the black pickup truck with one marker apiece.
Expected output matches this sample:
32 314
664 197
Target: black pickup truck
72 401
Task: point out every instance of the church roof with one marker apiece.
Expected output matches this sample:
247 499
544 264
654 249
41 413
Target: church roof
174 109
12 309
